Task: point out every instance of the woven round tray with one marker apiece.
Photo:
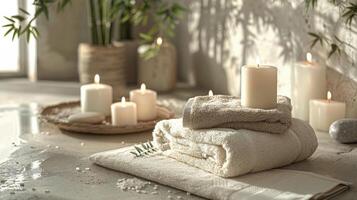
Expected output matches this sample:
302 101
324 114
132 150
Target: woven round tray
58 114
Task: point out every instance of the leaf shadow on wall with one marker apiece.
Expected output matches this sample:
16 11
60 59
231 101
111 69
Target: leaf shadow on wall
217 37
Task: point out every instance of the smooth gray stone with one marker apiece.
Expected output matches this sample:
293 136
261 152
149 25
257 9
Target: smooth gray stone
344 130
87 117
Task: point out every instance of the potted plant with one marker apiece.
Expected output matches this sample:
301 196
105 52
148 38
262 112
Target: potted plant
97 57
157 55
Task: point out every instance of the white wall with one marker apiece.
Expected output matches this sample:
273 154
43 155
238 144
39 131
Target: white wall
217 37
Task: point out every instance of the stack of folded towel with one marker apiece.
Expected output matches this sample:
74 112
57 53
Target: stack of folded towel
220 136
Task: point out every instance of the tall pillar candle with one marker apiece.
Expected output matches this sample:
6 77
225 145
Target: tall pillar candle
259 86
309 83
324 112
96 97
124 113
146 103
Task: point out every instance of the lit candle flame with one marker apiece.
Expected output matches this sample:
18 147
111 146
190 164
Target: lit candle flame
122 99
210 93
257 60
143 87
309 57
97 79
159 41
329 96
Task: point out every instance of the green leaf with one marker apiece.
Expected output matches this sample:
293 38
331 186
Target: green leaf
11 20
8 31
8 25
18 17
334 48
146 37
14 34
24 11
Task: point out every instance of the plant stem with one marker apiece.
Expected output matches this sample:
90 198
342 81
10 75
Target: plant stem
93 22
125 31
102 21
111 24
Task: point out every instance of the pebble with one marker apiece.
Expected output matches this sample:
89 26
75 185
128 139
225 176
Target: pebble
22 184
154 193
87 168
33 189
179 197
57 147
344 130
78 169
82 144
188 194
47 191
169 197
87 117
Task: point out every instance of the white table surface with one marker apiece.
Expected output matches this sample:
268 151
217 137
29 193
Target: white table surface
28 152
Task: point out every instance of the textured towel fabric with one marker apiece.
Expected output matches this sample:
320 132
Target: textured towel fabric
220 111
267 185
229 152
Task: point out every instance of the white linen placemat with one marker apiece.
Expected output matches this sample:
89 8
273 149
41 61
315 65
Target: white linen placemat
272 184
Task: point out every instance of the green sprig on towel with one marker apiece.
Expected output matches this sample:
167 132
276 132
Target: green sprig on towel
144 149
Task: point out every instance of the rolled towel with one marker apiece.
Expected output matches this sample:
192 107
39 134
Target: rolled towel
229 152
221 111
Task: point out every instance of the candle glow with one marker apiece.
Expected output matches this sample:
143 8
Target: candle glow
329 96
143 87
123 100
309 57
97 79
159 41
210 93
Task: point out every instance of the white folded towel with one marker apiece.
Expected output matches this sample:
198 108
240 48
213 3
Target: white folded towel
229 153
273 184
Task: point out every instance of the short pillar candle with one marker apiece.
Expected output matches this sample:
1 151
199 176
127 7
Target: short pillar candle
146 103
123 113
324 112
259 86
96 97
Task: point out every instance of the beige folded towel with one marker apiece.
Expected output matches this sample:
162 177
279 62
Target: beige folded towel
228 152
267 185
226 112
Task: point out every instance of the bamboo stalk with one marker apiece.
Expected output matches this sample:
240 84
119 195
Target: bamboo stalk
111 24
125 30
93 23
102 21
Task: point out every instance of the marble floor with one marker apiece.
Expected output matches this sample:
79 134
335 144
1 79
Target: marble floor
38 161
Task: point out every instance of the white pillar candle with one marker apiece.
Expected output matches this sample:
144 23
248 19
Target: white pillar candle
146 102
124 113
309 83
324 112
259 86
96 97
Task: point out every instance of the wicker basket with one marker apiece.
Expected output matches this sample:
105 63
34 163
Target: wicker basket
108 62
130 60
